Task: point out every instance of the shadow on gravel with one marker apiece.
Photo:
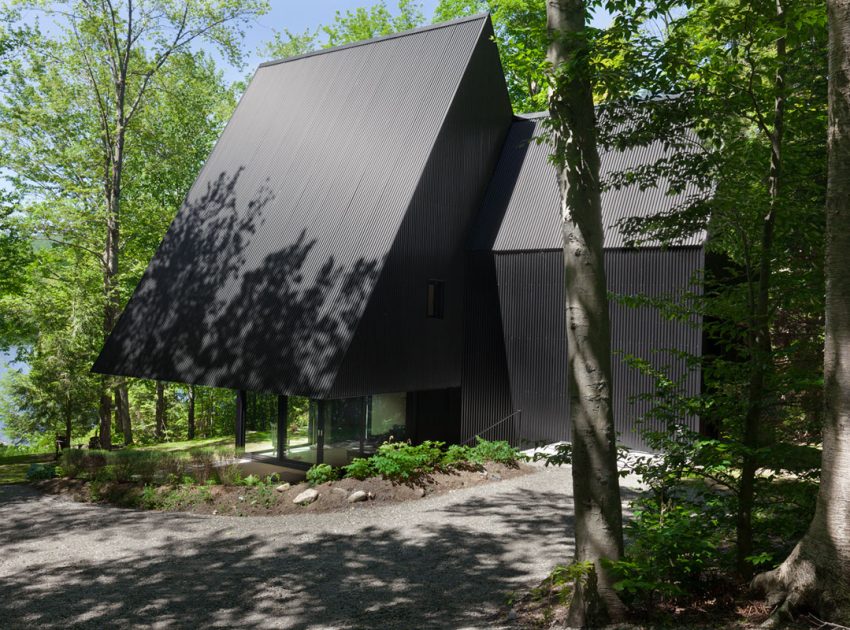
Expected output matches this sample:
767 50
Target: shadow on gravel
448 576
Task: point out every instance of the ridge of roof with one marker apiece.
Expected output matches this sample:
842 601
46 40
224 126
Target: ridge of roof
533 115
374 40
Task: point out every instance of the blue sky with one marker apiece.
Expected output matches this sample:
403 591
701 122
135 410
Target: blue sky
299 15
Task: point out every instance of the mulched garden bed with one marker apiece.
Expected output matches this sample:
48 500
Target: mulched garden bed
267 500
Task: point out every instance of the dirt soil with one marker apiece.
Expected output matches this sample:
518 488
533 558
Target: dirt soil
265 500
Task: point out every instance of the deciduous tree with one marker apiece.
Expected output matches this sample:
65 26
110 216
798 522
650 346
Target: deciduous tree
596 489
816 575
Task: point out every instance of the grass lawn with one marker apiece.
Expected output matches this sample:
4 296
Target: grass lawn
13 468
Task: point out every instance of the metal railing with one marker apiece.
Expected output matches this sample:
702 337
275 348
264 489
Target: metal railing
493 426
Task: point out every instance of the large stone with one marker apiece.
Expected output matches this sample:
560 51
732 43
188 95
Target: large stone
341 491
357 496
306 497
282 487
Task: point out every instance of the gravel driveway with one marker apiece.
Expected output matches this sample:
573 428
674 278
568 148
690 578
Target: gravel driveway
447 561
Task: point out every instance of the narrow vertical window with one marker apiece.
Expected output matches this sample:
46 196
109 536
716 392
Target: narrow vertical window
435 299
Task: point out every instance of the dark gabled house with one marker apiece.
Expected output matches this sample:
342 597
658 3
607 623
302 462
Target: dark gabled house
377 231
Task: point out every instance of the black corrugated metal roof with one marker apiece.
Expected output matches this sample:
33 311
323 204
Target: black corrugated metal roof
262 278
521 211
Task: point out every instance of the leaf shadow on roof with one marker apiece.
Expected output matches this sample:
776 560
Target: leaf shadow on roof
206 313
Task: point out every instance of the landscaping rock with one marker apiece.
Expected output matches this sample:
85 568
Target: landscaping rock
357 496
341 491
282 487
306 497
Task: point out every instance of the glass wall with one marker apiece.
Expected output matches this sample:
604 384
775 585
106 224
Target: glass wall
344 423
323 431
387 420
261 424
302 435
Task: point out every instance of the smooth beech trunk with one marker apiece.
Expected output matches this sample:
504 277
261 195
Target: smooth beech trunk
816 575
159 430
596 489
191 415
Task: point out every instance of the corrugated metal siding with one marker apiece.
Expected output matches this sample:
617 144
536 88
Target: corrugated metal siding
486 390
531 300
644 333
521 211
396 347
265 272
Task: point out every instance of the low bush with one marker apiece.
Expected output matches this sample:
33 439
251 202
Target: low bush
203 462
401 461
72 462
498 451
320 473
673 545
37 472
457 454
133 465
359 468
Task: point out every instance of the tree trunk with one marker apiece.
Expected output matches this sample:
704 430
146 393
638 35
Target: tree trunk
105 412
122 411
816 575
159 431
761 347
596 489
191 418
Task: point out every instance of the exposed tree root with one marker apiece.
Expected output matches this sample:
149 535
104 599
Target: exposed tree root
801 585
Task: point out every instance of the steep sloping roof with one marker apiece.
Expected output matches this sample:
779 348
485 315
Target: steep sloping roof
521 211
264 274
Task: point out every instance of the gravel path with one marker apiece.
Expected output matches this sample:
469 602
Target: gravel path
447 561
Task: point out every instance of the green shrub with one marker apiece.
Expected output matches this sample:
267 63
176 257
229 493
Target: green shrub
37 472
149 498
229 474
457 454
498 451
133 465
71 463
359 468
672 545
203 461
320 473
401 461
252 480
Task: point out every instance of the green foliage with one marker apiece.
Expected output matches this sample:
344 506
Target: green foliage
498 451
320 473
38 472
673 545
349 26
360 468
457 454
520 28
402 461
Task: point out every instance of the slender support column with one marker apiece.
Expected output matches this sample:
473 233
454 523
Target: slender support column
282 420
241 410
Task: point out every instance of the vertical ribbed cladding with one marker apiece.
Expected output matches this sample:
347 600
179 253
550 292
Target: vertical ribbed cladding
528 227
531 301
396 347
644 333
486 392
264 274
